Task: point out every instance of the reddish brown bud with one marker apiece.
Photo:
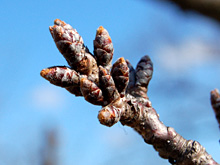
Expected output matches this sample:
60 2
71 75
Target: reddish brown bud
132 77
111 114
120 74
71 45
64 77
91 92
74 90
68 41
143 75
103 48
144 72
107 85
61 76
88 66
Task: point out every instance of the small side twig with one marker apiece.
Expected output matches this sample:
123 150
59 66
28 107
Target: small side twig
215 101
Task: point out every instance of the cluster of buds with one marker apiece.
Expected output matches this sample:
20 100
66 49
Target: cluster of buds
94 77
120 89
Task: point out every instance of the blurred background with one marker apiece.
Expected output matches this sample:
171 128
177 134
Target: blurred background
41 124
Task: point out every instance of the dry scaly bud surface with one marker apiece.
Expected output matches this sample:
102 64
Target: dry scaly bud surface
103 48
120 89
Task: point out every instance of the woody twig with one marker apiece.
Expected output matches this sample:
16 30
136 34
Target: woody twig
120 89
215 101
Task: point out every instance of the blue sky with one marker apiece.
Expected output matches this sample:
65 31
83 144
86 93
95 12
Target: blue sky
182 46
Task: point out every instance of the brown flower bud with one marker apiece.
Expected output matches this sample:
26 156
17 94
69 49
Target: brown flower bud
120 74
103 48
91 92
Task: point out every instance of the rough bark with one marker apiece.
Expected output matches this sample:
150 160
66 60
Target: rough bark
121 90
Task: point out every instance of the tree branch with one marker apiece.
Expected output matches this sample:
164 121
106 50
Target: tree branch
120 89
210 8
215 101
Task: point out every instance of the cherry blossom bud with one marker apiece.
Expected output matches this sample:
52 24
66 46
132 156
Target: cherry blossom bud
103 48
91 92
144 72
120 74
61 76
107 85
132 76
68 41
111 114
